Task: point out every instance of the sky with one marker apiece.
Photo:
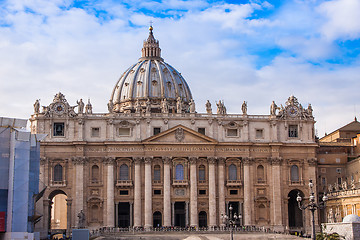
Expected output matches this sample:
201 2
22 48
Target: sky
255 51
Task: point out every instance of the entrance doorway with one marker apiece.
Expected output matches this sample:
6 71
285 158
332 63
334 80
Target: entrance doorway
295 215
202 219
124 214
179 214
236 210
157 220
58 210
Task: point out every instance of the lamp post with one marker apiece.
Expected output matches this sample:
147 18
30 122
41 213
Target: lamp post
312 205
231 220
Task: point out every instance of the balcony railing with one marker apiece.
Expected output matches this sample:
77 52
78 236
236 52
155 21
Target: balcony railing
180 182
124 183
58 183
233 183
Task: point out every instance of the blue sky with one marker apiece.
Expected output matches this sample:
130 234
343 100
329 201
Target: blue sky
257 51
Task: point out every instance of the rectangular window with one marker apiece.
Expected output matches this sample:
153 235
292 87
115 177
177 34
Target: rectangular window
124 131
124 192
201 130
233 192
337 160
231 132
259 133
322 160
323 181
157 192
293 131
202 192
156 130
95 132
59 130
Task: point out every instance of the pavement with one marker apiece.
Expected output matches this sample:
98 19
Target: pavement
195 236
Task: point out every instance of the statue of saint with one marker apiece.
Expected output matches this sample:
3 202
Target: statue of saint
164 106
330 216
88 107
273 108
178 105
137 106
81 217
37 106
110 106
192 106
148 106
309 110
221 109
208 107
80 106
344 185
244 108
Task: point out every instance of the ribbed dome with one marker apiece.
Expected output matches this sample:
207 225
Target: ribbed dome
149 82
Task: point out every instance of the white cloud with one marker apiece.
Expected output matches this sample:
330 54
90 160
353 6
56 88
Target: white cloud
343 19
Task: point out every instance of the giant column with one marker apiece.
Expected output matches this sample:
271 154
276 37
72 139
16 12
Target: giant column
276 194
137 193
212 193
248 206
148 194
109 162
79 184
193 193
221 186
167 186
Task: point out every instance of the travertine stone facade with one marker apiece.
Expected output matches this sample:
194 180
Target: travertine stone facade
153 161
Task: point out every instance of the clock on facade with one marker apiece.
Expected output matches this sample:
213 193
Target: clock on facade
292 111
59 108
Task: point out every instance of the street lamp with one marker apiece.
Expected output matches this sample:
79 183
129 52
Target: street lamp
231 220
312 205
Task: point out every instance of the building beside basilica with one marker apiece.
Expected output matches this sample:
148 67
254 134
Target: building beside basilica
153 161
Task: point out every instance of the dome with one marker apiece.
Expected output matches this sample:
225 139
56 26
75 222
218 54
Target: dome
351 218
150 82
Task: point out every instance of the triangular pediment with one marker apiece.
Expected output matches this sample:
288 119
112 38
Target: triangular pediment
180 134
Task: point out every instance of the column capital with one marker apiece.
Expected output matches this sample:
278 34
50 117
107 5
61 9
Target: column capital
275 160
221 160
166 160
43 160
108 160
248 160
68 202
193 160
312 161
79 160
212 160
137 160
148 160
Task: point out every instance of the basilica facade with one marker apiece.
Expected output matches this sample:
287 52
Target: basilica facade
153 161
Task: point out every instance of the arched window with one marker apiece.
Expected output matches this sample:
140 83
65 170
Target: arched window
157 173
124 172
201 173
95 173
294 173
260 174
179 170
232 172
58 173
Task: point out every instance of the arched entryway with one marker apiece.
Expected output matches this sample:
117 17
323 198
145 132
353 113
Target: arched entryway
58 210
157 219
202 219
295 215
